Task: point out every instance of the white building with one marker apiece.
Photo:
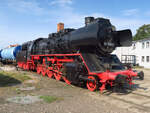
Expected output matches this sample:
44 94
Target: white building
139 51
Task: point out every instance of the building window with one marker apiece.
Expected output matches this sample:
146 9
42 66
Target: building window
134 46
142 58
143 45
147 58
147 44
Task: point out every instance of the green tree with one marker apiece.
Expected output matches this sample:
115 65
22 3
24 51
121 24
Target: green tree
143 32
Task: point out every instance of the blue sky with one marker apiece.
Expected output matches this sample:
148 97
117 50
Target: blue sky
23 20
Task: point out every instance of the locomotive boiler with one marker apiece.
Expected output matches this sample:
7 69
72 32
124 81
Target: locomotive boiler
80 55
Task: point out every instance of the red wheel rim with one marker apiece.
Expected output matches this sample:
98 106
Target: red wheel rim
38 70
92 86
21 65
27 66
24 66
57 76
43 71
49 73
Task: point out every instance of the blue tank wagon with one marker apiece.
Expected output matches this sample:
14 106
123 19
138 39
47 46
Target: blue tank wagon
9 54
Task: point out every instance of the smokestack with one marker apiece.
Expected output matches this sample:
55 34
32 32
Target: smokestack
60 26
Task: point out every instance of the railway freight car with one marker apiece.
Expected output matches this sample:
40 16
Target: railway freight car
80 55
8 55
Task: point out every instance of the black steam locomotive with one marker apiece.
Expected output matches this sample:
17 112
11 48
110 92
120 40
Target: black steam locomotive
80 55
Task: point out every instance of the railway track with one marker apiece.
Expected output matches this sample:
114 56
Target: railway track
133 102
137 100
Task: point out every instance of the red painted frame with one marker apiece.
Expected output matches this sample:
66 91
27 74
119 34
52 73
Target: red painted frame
104 77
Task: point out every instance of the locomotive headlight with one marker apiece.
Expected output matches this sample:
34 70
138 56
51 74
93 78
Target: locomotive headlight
109 44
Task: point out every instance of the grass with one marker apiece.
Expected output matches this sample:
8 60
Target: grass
19 76
49 99
9 78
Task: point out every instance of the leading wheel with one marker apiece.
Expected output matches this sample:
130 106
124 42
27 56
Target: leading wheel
93 84
141 75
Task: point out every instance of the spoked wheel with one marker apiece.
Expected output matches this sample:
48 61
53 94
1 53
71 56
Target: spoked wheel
38 69
27 67
57 76
49 73
57 73
141 75
93 84
21 65
43 71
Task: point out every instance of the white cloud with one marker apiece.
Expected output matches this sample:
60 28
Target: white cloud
64 13
23 6
61 2
76 20
132 24
123 23
130 12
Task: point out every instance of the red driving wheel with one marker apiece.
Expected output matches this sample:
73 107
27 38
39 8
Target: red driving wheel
38 70
92 85
49 73
44 71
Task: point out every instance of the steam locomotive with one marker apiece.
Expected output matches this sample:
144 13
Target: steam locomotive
80 55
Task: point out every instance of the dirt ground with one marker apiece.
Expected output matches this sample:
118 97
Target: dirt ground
71 99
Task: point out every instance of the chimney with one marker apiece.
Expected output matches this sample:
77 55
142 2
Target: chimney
60 26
